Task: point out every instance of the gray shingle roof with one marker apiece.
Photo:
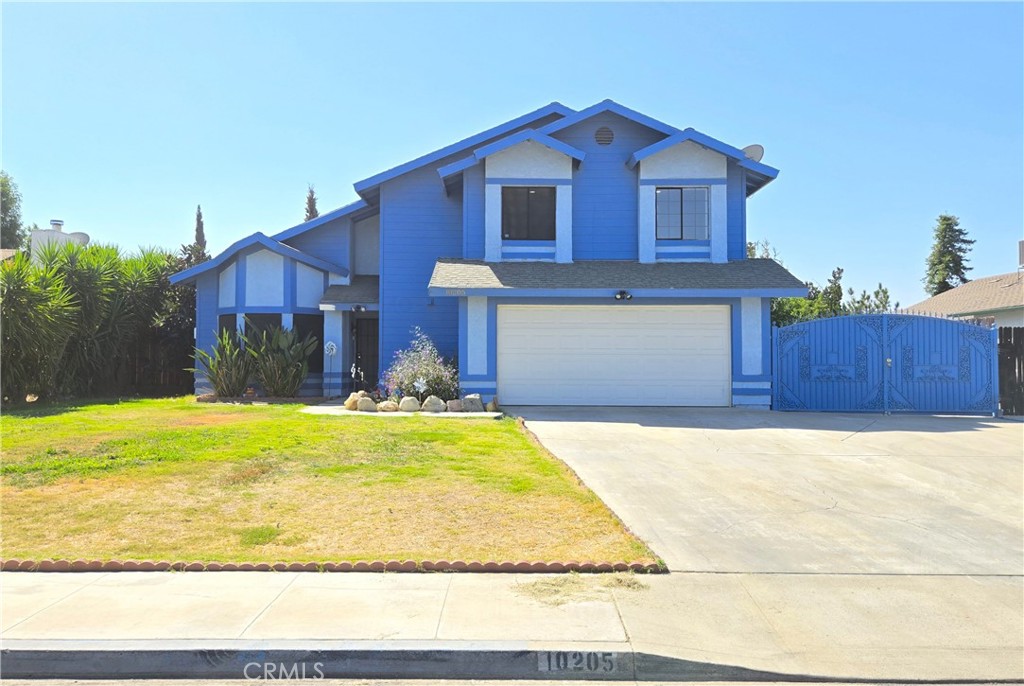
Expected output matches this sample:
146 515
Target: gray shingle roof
1000 292
452 273
364 290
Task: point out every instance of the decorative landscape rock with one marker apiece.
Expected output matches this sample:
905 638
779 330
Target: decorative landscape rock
493 406
409 404
350 404
455 406
366 405
388 406
434 404
472 403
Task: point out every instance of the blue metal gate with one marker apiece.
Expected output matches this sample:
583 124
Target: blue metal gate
885 363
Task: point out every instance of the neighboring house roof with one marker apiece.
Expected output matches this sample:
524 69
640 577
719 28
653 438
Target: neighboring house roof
505 143
257 239
740 275
364 290
989 294
763 170
7 253
367 187
353 208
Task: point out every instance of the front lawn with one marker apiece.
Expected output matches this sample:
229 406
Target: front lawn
173 479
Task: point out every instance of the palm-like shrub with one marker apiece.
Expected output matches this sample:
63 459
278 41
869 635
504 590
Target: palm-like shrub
90 275
72 322
229 368
37 316
117 297
281 360
420 370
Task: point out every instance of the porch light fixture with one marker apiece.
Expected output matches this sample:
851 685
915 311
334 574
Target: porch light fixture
359 308
623 295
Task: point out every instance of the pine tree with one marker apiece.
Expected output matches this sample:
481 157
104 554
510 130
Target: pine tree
947 263
200 231
311 211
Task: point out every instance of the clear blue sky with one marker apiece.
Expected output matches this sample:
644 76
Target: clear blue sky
120 118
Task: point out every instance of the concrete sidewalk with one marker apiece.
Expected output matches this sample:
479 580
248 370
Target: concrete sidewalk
767 627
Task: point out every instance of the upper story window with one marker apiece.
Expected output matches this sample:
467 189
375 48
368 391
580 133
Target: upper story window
682 214
528 213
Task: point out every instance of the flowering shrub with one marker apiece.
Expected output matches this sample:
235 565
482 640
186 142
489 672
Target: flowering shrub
419 371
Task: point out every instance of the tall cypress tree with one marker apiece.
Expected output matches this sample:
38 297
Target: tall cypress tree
946 267
311 211
200 231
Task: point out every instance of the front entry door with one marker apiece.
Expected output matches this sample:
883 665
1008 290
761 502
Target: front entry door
367 354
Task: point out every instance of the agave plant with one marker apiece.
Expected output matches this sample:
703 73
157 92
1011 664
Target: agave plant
229 368
281 360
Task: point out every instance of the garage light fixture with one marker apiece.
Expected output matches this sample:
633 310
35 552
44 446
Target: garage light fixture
623 295
359 308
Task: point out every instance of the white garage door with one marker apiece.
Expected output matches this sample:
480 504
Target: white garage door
614 355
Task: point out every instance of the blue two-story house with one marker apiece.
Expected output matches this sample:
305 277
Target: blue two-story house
592 257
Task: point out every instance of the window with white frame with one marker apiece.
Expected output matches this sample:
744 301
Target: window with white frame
682 213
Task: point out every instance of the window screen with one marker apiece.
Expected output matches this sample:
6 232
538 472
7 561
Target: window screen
226 322
312 324
528 213
258 323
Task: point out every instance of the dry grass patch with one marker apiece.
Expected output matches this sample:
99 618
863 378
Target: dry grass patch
180 480
576 588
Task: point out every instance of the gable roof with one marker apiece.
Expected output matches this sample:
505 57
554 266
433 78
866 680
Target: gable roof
256 239
346 210
728 277
504 144
991 293
708 142
368 186
614 108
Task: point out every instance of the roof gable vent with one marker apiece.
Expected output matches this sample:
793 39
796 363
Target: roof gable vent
604 136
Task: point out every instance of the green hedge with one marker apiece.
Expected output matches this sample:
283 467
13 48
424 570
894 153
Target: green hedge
70 322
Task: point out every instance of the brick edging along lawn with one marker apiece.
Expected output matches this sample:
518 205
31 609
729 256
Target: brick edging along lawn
175 480
45 566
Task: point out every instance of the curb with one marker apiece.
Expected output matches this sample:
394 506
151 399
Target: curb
268 662
455 660
15 565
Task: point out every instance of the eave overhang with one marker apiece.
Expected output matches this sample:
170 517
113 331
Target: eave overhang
257 240
360 209
758 175
450 173
369 188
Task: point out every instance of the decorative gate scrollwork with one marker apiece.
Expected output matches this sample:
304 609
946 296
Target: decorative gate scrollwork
885 363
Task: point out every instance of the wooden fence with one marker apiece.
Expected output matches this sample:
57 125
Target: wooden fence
1011 369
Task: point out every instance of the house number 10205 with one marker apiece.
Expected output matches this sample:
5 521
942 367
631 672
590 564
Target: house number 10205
575 661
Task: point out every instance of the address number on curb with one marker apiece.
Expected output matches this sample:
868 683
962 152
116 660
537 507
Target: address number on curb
576 661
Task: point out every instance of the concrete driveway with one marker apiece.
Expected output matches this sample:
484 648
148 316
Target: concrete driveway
732 490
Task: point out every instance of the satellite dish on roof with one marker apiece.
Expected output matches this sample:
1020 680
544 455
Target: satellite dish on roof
754 152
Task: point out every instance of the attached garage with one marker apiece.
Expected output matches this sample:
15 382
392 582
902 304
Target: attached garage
676 355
